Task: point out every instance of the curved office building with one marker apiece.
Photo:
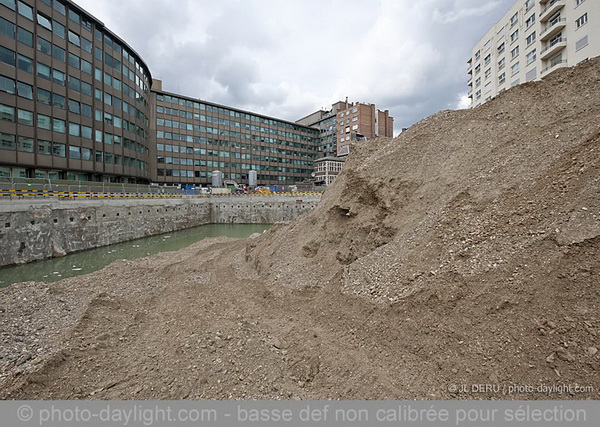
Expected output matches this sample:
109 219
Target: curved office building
74 97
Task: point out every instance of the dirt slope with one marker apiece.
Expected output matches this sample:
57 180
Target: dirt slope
463 252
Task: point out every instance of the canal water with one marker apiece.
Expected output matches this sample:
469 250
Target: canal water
88 261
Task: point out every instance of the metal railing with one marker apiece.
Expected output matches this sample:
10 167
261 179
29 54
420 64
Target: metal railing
18 188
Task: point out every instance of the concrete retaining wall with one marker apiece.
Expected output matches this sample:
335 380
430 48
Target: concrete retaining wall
38 229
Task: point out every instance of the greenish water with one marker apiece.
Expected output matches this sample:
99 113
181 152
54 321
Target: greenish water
91 260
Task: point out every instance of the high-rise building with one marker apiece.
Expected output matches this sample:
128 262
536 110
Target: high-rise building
74 97
346 122
76 103
533 39
191 138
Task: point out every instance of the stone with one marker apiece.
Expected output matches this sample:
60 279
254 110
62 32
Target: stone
564 354
592 351
551 324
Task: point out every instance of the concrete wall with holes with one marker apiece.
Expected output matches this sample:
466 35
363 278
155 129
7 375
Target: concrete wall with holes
37 229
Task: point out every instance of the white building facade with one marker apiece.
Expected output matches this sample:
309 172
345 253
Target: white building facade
534 38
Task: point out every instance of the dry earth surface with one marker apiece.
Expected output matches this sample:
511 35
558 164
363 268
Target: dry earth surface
463 252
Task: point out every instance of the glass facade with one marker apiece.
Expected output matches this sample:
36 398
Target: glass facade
74 98
75 103
192 138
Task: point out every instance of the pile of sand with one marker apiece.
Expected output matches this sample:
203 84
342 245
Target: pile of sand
463 252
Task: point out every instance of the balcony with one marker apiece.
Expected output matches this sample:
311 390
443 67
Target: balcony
554 65
553 48
552 7
552 28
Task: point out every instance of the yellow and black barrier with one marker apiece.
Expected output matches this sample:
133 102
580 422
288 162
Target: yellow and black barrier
13 193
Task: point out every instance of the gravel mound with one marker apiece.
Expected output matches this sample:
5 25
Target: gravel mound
462 253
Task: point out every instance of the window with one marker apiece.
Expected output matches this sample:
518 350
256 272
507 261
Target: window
74 83
74 16
59 7
7 113
43 122
74 152
25 117
86 88
24 90
86 132
515 69
502 78
7 28
488 73
478 81
44 22
44 147
74 129
531 57
531 74
59 30
501 47
86 45
488 59
86 110
7 142
477 70
43 71
477 55
58 53
7 85
581 43
578 2
530 38
74 106
25 10
514 19
58 77
7 56
9 3
25 144
85 23
59 125
530 21
25 37
24 63
59 150
74 61
58 101
514 53
529 4
582 20
74 38
44 46
514 36
86 67
44 96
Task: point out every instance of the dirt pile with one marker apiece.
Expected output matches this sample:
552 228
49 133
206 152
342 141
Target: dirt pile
463 252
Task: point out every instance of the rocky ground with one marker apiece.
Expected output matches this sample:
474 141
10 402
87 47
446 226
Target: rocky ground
464 252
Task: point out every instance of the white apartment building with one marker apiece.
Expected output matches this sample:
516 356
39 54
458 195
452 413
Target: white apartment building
534 38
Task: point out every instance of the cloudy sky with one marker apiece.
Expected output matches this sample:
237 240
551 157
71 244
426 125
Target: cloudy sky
288 58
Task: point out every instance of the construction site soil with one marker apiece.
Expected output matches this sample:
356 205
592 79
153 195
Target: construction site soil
463 252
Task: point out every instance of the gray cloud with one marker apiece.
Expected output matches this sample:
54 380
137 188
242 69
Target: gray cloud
289 58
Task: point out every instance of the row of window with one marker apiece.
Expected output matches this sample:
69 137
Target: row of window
222 122
226 133
218 110
223 165
44 147
10 57
226 154
231 144
58 29
25 117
